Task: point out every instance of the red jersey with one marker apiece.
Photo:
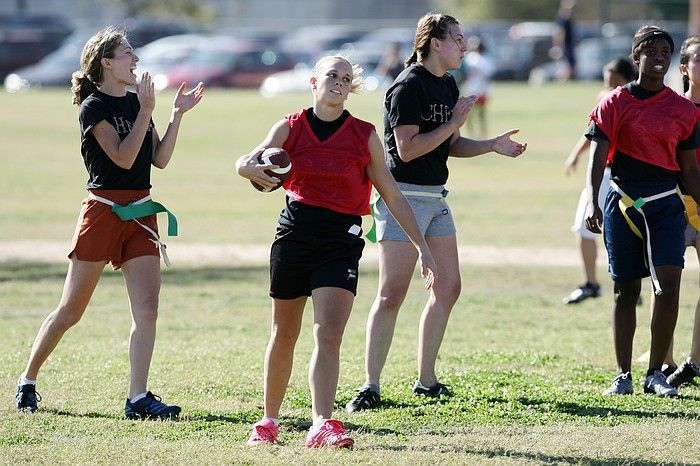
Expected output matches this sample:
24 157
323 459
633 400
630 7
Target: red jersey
648 130
330 173
602 94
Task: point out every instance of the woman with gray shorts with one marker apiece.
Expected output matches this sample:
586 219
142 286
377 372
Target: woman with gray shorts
422 116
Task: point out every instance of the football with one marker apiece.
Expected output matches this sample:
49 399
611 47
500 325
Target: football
274 156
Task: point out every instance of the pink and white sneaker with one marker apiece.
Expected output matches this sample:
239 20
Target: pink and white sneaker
264 432
329 434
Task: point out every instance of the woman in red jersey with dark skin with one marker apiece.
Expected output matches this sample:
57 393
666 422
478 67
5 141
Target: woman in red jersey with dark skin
647 134
336 158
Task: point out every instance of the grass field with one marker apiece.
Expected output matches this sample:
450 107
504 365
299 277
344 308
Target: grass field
41 158
526 371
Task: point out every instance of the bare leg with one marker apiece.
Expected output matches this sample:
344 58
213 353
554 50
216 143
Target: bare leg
695 345
437 310
589 254
663 320
668 358
142 278
625 321
279 357
332 308
81 280
397 260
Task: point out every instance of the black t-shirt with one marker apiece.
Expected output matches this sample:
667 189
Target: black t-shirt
418 97
325 129
627 168
121 113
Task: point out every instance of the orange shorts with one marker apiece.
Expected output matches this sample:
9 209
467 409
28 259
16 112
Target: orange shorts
102 236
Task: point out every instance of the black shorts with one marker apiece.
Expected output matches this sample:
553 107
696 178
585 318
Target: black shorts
303 258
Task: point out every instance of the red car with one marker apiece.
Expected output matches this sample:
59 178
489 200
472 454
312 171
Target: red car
227 64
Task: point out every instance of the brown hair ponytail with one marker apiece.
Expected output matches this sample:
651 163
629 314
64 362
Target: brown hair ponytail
102 45
431 25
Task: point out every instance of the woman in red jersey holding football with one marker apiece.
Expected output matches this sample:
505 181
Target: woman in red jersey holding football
335 160
647 134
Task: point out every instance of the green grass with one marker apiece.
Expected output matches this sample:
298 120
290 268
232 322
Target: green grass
43 175
526 371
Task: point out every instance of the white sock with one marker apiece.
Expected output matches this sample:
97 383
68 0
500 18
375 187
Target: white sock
419 384
138 397
319 422
372 387
25 381
274 420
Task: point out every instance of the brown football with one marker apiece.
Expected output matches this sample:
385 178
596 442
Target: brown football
274 156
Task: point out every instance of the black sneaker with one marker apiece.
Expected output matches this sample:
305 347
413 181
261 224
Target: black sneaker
684 374
588 290
668 369
150 407
366 398
656 383
27 397
435 391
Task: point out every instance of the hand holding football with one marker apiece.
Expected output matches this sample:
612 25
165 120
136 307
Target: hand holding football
274 156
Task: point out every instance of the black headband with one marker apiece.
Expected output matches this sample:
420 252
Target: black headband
653 34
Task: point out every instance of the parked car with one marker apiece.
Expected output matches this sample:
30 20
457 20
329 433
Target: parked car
518 48
56 68
142 31
283 82
592 54
526 46
369 49
307 43
233 64
616 41
162 55
27 38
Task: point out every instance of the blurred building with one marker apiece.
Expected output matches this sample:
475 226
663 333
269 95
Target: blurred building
283 15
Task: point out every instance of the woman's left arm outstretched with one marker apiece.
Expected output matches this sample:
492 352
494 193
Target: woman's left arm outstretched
184 101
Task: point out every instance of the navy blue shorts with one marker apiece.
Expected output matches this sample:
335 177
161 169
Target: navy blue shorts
627 253
314 254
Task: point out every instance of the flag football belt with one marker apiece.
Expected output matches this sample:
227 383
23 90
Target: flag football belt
627 202
142 208
372 233
691 211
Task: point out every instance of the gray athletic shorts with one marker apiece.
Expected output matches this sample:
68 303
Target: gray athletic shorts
430 208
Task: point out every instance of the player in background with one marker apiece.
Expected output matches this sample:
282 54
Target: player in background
479 70
336 158
615 73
